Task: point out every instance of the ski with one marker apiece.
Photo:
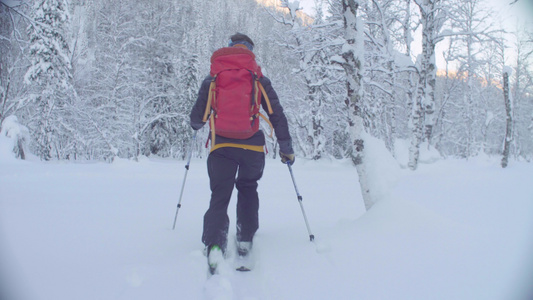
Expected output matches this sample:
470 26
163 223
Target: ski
243 263
214 258
243 269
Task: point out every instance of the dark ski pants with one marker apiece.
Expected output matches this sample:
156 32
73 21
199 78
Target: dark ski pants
229 167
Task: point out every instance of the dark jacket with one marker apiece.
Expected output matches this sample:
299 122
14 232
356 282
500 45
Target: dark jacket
278 119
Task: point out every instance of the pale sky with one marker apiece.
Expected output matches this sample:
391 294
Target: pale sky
523 8
308 6
510 17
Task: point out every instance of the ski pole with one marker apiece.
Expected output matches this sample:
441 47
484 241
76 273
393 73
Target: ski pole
300 199
184 177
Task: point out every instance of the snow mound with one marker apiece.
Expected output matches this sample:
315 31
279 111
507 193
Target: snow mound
12 132
383 170
428 153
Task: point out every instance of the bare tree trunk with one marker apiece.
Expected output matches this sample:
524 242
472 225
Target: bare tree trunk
20 149
508 110
352 64
423 117
415 125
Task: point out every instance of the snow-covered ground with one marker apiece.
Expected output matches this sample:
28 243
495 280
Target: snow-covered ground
454 229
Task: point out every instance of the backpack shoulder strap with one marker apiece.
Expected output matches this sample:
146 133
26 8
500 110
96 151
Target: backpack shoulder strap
269 123
267 101
210 99
270 111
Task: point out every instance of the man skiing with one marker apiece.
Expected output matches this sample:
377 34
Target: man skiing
237 158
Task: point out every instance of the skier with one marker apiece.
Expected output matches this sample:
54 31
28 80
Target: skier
236 159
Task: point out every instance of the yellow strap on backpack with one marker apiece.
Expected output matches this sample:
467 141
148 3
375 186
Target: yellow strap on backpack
212 123
268 121
270 111
210 99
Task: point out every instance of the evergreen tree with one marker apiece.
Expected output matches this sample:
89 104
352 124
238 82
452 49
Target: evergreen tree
136 67
189 84
50 76
12 61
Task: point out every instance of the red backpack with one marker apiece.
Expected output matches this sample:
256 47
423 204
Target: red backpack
235 93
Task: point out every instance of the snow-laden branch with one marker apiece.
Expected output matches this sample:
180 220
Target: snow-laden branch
11 3
157 118
102 134
28 18
380 87
449 33
293 7
16 33
134 41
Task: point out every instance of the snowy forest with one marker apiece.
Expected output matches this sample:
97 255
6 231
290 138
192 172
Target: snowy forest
99 79
428 103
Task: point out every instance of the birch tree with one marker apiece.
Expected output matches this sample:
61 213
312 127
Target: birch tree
432 17
352 61
385 66
509 117
521 93
473 28
136 67
309 43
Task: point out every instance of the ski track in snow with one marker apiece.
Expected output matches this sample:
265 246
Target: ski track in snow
451 230
229 283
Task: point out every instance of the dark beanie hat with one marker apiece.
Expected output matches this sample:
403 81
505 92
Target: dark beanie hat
239 37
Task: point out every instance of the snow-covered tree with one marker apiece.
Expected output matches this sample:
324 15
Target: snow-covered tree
126 86
352 61
189 80
432 17
387 28
50 76
311 43
474 31
12 42
17 133
521 93
509 116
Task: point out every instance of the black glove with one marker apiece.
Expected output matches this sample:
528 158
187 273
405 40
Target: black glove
287 158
